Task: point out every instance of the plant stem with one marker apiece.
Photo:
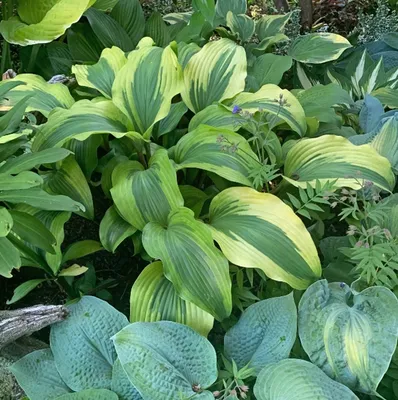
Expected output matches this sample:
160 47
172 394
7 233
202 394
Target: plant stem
147 146
33 57
7 10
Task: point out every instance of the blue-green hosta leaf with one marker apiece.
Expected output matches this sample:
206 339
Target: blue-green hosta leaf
90 394
9 257
264 334
42 21
242 25
350 336
101 75
83 351
143 196
221 151
331 157
38 376
46 96
157 29
371 112
224 6
197 269
24 180
298 380
318 48
258 230
216 73
160 367
6 222
153 298
84 119
152 71
121 384
268 99
114 229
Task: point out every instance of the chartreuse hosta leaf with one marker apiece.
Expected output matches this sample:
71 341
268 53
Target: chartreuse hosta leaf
331 157
258 230
101 75
264 334
221 151
197 269
274 100
153 298
42 21
160 367
216 73
351 336
143 196
46 96
298 380
144 87
83 352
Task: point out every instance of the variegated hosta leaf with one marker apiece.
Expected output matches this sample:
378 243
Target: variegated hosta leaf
274 100
101 75
216 73
144 87
46 96
221 151
331 157
85 118
351 336
143 196
167 361
197 269
298 380
258 230
153 298
264 334
42 21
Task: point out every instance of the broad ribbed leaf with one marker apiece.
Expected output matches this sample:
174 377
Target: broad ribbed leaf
298 380
221 151
318 48
264 334
236 6
331 157
160 367
83 352
42 21
23 180
170 123
371 112
121 384
37 375
9 257
206 8
114 229
143 196
270 25
197 269
268 99
90 394
351 336
101 75
157 29
6 222
258 230
215 73
153 298
242 25
152 71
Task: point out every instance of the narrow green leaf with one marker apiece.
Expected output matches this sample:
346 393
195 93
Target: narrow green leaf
25 288
81 249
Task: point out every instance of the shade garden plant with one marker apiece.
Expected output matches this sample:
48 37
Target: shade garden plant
250 173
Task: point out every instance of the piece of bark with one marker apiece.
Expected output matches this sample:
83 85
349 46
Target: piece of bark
281 5
17 323
307 11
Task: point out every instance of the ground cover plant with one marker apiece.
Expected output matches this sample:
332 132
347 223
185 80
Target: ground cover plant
221 174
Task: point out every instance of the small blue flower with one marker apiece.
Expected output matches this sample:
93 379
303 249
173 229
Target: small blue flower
236 110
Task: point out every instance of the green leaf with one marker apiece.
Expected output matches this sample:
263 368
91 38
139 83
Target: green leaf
242 25
101 75
106 5
121 384
194 198
159 367
42 21
215 73
387 96
6 222
37 375
258 230
83 352
318 48
271 25
153 298
114 230
330 158
188 254
267 99
351 336
143 196
156 29
23 180
90 394
11 121
299 380
9 257
155 72
73 270
169 123
33 231
206 8
81 249
221 151
237 7
264 334
22 290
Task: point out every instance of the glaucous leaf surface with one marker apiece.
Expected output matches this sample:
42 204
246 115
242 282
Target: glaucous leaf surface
121 384
350 336
90 394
